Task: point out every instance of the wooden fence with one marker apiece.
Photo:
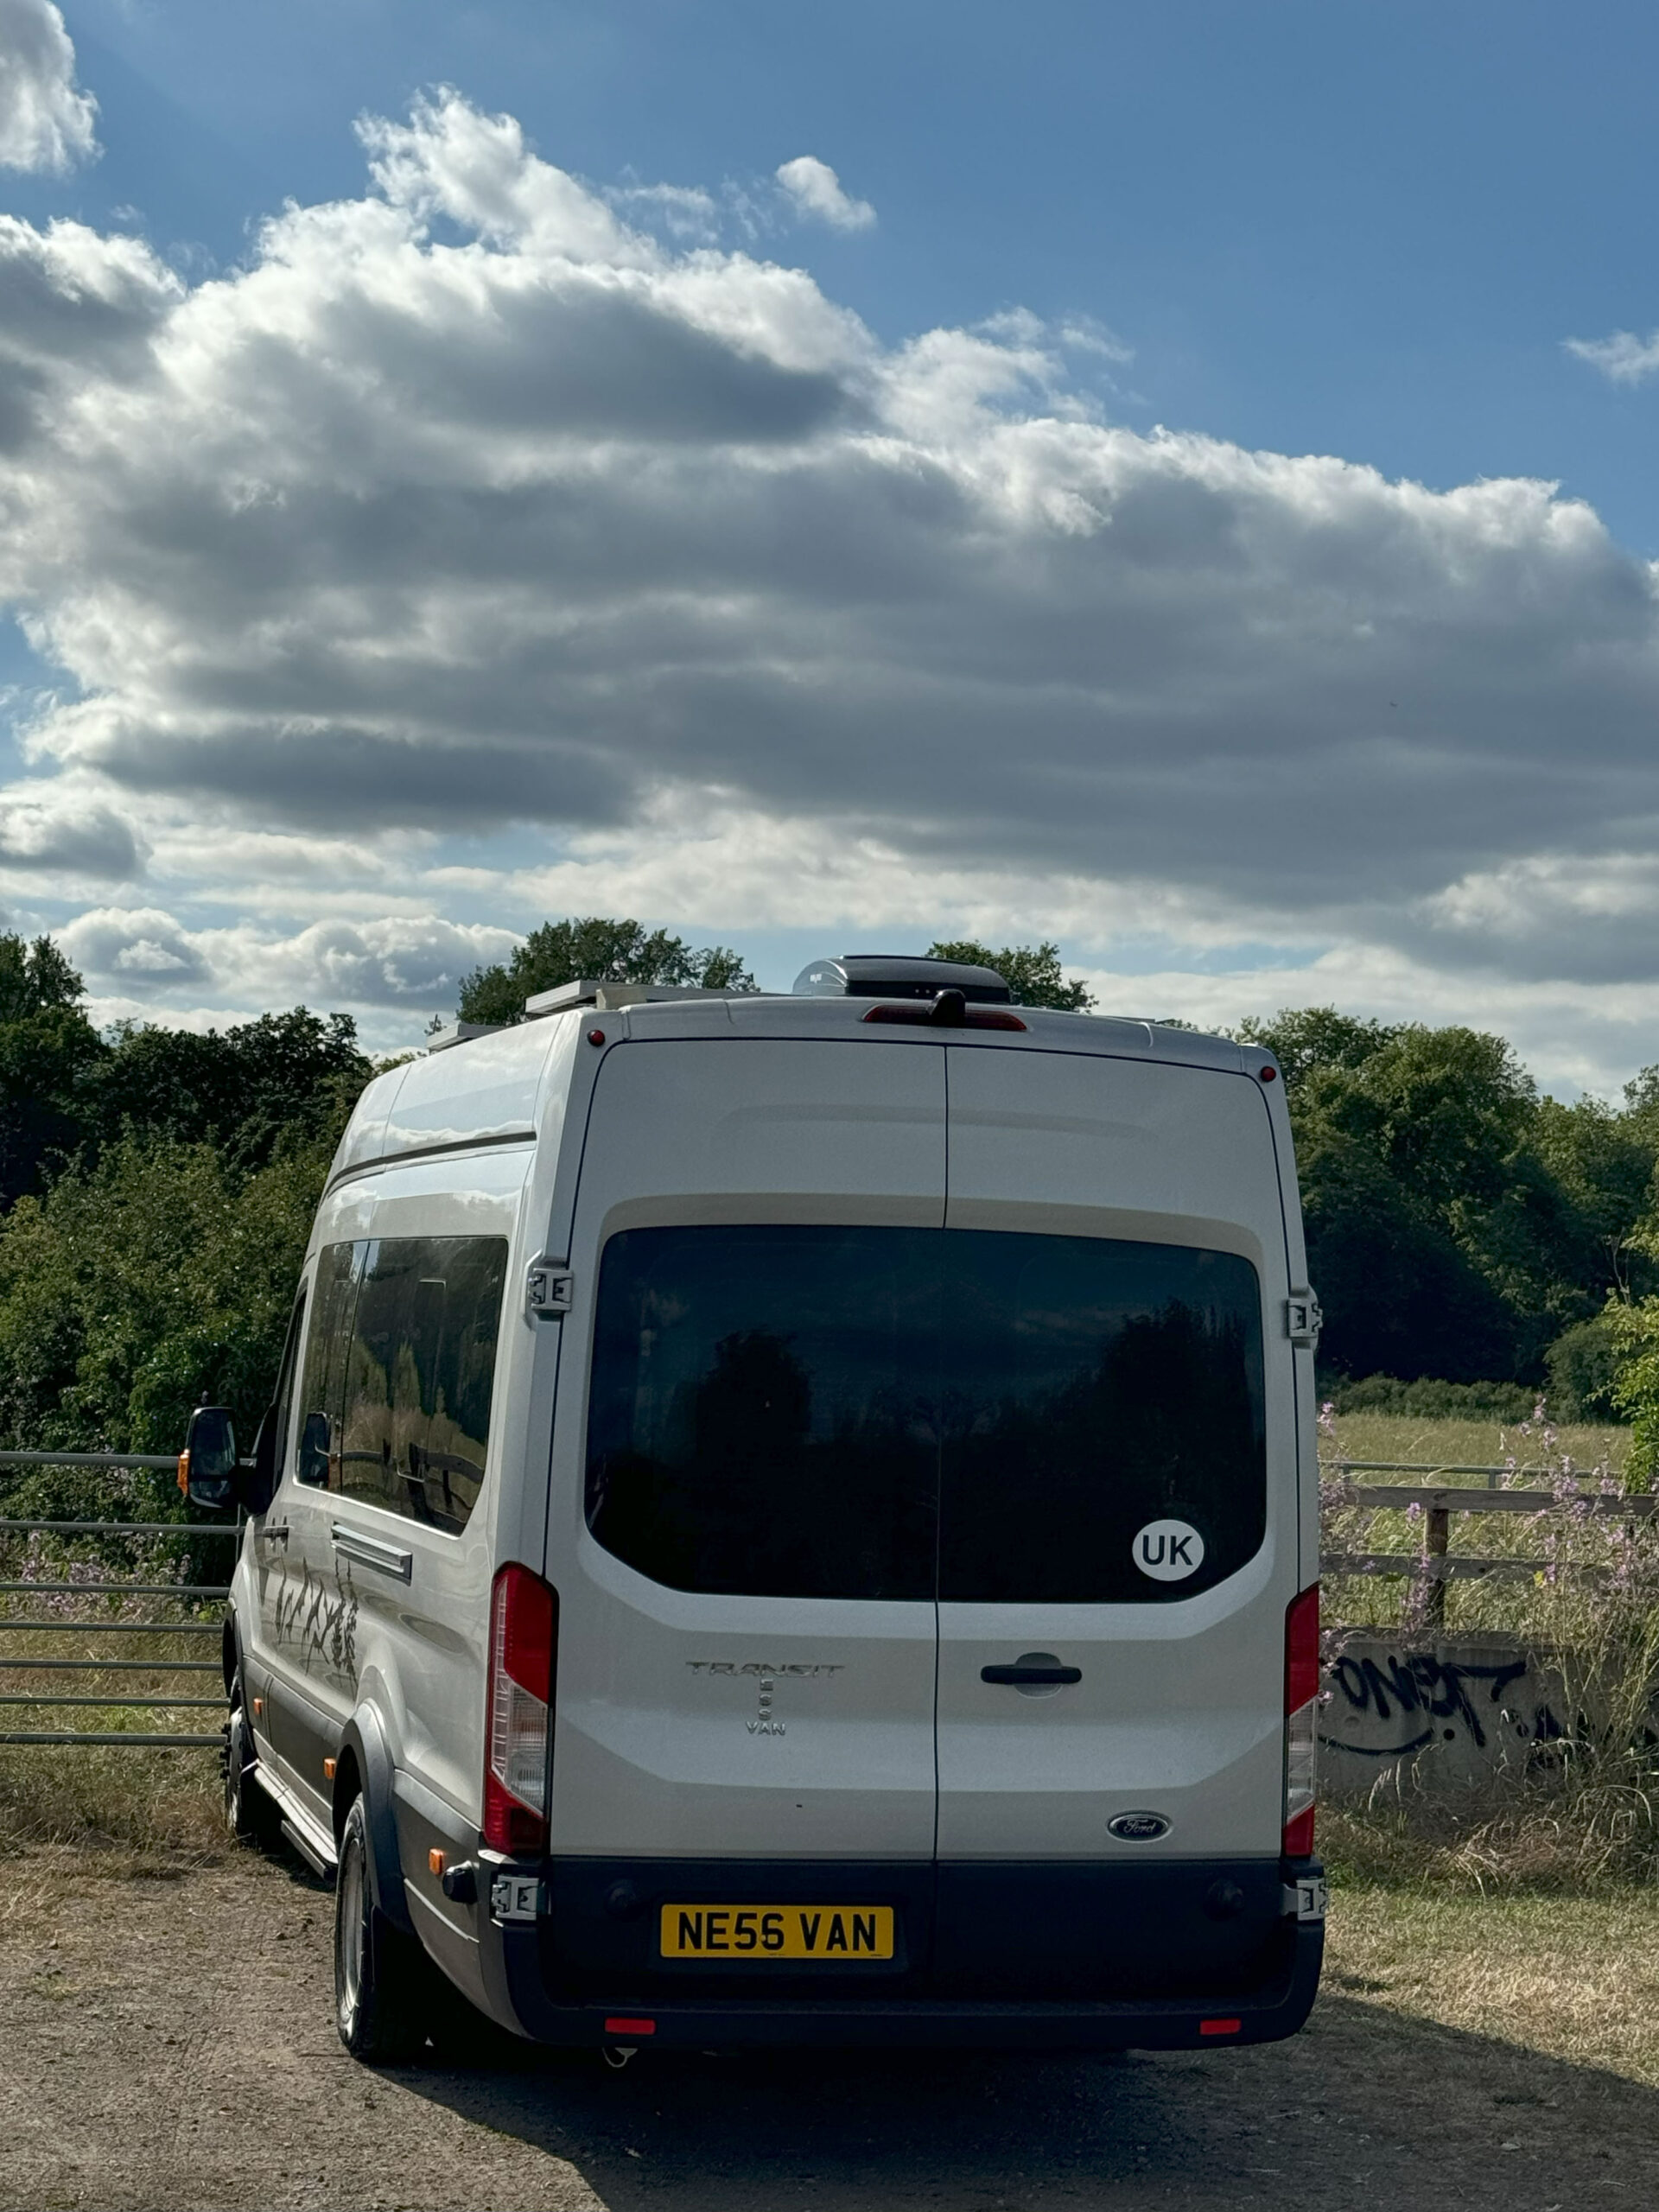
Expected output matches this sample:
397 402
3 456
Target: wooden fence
1439 1499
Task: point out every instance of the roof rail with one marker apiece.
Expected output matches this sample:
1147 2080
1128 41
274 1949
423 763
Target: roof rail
461 1032
608 997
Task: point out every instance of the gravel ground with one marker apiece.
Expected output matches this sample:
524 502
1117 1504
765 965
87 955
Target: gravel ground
170 2043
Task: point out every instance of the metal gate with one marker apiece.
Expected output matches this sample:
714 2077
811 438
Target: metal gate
56 1650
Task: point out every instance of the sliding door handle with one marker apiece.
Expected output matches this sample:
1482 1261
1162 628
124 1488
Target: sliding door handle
370 1551
1027 1673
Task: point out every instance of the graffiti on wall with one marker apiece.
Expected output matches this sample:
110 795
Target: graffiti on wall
1471 1705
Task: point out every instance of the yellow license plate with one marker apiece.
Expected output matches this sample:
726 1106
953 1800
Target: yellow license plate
838 1933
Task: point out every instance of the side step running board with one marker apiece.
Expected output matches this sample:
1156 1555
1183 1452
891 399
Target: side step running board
313 1842
312 1858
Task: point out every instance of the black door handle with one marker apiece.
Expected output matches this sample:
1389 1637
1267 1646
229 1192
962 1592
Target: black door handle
1019 1675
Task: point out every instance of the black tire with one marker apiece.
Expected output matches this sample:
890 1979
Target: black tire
248 1813
382 1980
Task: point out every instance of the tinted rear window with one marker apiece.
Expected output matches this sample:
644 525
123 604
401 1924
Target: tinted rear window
892 1413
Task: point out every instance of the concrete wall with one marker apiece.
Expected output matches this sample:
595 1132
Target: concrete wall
1462 1710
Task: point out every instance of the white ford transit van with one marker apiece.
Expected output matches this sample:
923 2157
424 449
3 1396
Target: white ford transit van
792 1519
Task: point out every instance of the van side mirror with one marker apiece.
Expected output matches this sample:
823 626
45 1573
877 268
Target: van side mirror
207 1463
257 1486
314 1451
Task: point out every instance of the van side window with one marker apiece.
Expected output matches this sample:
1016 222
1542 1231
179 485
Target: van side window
324 1380
421 1373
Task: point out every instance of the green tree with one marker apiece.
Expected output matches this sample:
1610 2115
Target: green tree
1457 1223
49 1053
595 949
1031 972
245 1089
1315 1037
137 1283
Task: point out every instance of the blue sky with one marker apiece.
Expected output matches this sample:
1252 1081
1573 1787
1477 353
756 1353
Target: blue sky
1335 228
1339 231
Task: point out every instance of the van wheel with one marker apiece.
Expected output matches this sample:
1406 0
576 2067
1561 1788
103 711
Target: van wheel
381 1988
248 1813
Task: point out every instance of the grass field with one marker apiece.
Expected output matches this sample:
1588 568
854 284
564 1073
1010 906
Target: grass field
1470 1443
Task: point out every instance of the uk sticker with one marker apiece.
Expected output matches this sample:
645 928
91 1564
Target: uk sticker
1169 1550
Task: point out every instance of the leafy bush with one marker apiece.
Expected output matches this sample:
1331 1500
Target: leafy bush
1582 1365
132 1287
1424 1399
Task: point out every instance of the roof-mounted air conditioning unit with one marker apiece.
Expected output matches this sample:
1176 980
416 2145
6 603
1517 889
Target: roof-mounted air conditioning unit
901 976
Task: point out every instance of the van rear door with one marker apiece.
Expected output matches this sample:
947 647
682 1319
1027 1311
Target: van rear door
1118 1525
745 1463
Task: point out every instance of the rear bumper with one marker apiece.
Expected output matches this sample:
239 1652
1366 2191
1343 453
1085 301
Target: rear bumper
1238 1980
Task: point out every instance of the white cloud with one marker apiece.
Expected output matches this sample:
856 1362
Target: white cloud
412 961
471 547
815 191
46 828
1624 358
45 121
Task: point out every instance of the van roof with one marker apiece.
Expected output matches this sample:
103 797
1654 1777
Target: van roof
488 1088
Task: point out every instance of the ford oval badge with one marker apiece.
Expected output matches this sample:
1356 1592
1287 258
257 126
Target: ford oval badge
1138 1827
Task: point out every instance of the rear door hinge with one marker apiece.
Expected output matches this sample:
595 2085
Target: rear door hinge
549 1288
1303 1319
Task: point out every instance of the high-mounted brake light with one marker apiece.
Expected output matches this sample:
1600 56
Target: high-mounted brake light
920 1015
518 1721
1301 1719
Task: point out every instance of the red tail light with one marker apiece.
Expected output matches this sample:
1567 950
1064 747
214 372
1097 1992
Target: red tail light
1301 1719
519 1715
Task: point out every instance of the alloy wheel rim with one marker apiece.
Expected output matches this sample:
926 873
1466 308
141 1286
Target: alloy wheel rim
351 1932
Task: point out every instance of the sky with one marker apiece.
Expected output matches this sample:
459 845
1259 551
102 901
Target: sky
1180 481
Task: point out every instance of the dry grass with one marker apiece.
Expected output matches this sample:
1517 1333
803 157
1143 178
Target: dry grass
1574 1977
124 1811
122 1815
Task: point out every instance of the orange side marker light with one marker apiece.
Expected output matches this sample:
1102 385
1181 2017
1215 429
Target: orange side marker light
435 1862
328 1766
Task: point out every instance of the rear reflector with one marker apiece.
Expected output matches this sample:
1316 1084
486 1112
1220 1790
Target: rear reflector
517 1722
1302 1720
1219 2027
630 2027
